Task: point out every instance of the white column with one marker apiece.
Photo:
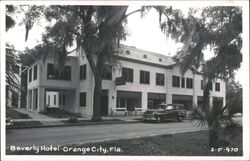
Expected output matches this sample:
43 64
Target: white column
169 98
41 99
195 100
144 101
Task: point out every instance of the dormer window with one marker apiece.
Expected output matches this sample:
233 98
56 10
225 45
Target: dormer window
127 52
145 56
160 59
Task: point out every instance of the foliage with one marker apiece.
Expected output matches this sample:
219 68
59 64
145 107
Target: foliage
96 31
234 96
217 119
220 29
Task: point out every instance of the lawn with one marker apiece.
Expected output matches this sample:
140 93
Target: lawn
181 144
10 112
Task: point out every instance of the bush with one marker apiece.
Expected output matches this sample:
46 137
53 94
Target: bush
24 116
72 120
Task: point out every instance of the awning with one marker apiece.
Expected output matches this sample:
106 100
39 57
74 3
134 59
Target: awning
157 96
128 94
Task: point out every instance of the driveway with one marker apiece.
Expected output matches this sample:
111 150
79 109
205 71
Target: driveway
92 133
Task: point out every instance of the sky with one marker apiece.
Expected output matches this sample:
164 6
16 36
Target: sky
144 33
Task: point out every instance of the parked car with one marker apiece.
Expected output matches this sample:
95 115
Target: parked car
165 112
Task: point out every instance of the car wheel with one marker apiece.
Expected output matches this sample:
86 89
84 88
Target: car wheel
158 119
179 118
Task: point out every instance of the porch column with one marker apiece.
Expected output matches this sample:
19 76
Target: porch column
41 99
195 100
144 101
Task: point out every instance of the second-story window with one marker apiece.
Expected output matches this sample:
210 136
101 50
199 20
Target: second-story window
54 74
107 72
127 74
30 74
160 79
160 59
189 82
144 77
145 56
217 86
35 72
176 81
83 69
127 52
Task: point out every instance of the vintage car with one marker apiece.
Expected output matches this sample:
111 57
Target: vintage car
163 112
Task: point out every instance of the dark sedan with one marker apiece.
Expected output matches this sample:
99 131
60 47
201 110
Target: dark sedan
165 112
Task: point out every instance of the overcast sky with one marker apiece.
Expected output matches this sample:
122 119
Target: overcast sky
144 33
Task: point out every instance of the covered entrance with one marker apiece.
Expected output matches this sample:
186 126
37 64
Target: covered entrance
155 99
186 100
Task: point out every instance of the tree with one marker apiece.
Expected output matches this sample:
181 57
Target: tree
217 27
97 30
234 96
12 69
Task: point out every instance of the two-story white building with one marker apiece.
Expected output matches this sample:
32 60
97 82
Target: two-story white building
150 79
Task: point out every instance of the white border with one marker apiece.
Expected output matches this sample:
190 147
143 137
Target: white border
245 80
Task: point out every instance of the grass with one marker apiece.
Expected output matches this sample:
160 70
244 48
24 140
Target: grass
60 113
181 144
16 114
26 123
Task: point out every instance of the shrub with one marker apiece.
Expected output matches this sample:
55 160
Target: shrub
72 120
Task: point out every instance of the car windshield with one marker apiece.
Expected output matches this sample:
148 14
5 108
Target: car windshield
160 107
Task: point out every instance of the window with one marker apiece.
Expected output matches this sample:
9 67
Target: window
176 81
54 99
83 69
160 79
54 74
202 85
83 99
62 99
35 72
183 82
160 59
145 56
107 72
189 82
127 74
144 77
30 74
217 86
127 52
48 99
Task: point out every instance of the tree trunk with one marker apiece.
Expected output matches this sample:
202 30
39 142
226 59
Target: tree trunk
97 100
213 138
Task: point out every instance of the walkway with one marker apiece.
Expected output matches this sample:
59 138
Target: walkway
44 119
